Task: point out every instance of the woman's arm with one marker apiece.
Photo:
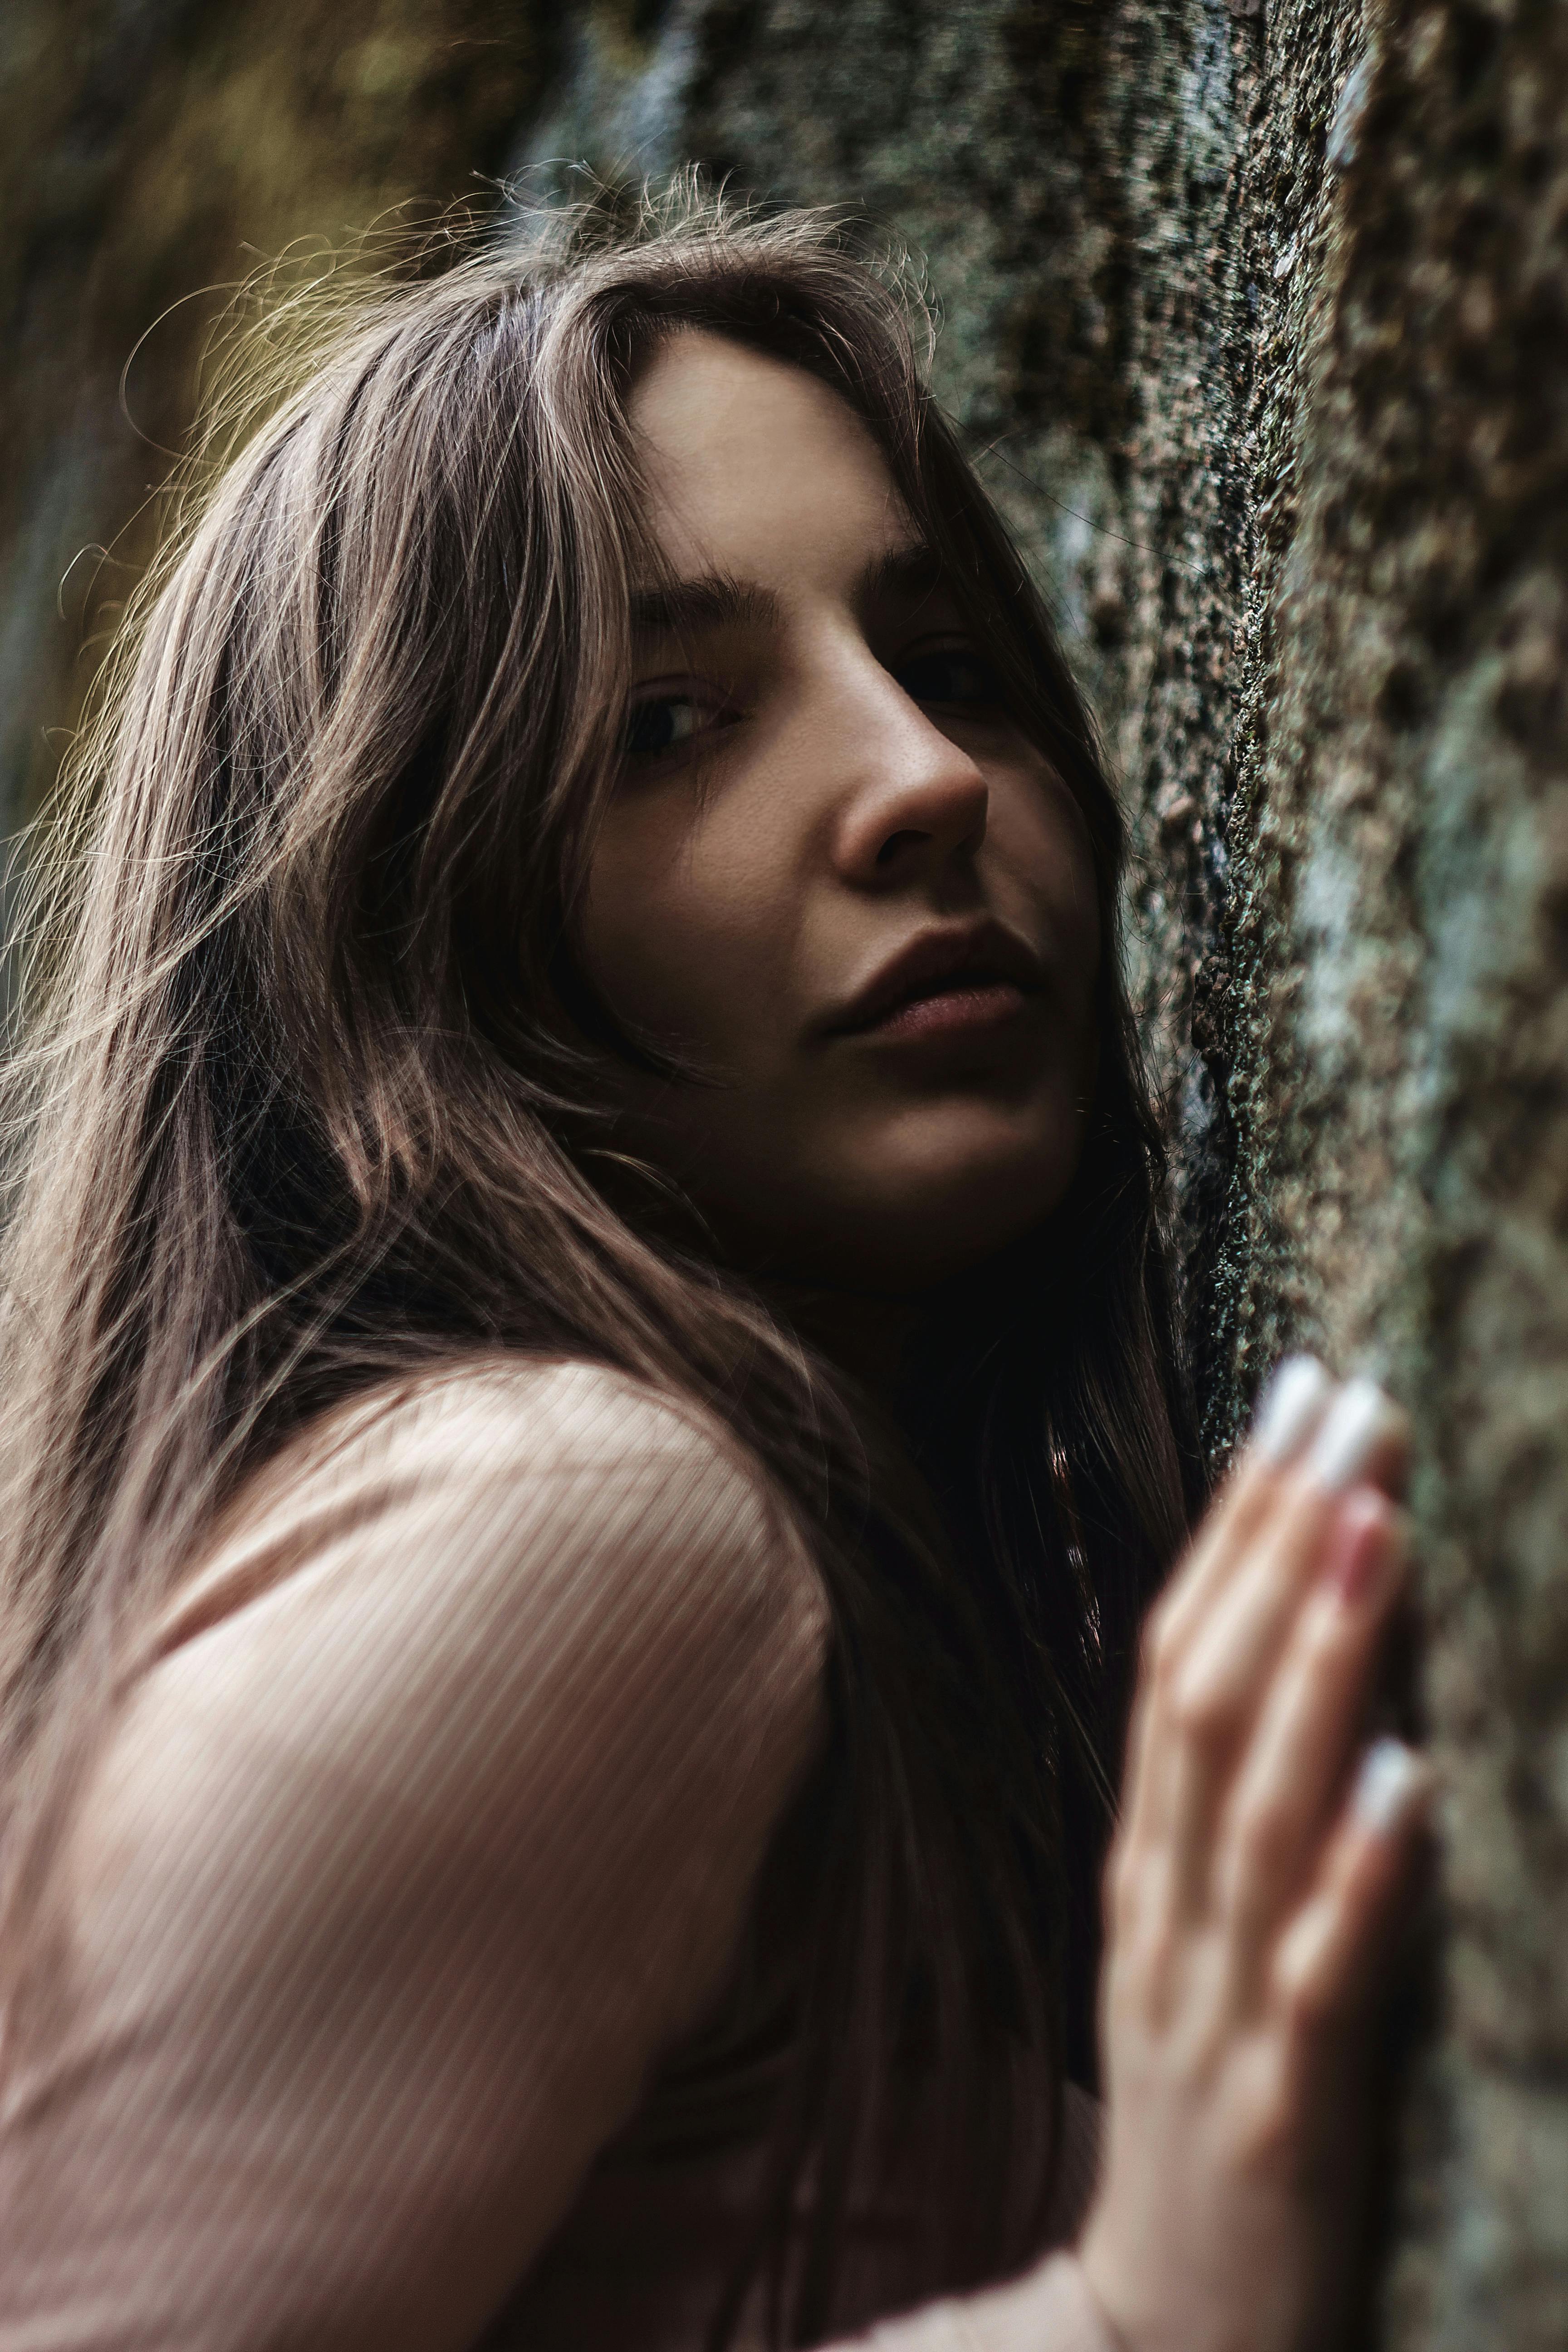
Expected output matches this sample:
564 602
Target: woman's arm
431 1830
1256 1884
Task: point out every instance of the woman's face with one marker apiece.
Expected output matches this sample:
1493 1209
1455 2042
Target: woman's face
835 878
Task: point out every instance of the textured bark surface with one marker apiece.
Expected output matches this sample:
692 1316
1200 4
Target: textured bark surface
1259 319
1406 1097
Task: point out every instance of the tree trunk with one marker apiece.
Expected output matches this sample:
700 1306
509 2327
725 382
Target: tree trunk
1258 319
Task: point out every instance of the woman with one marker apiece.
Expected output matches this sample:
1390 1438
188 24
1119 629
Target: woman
591 1417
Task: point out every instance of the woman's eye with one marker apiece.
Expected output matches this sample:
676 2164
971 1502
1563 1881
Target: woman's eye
660 725
953 677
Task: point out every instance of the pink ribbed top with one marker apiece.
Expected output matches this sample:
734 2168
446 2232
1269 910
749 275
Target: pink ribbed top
432 1823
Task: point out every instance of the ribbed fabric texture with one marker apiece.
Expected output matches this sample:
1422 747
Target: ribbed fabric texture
430 1824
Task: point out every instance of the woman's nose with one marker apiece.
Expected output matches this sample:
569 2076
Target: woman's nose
914 799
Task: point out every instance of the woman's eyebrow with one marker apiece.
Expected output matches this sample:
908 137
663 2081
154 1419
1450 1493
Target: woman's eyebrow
716 600
723 601
912 570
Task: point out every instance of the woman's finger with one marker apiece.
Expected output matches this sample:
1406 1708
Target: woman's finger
1332 1954
1271 1833
1290 1413
1214 1699
1297 1403
1245 1625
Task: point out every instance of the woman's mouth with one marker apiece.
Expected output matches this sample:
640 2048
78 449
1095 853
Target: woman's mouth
962 1007
948 983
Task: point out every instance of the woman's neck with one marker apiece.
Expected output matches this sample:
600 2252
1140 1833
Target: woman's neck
864 1335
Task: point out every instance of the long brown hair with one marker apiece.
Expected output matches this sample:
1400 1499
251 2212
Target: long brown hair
298 1110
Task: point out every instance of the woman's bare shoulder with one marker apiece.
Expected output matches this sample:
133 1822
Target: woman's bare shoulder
429 1825
491 1457
502 1624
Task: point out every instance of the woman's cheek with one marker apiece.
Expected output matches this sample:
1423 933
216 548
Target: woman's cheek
633 922
665 962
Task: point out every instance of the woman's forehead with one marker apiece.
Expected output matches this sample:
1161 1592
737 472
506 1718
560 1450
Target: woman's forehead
751 465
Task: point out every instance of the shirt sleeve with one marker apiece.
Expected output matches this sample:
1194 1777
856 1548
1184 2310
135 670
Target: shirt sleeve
429 1822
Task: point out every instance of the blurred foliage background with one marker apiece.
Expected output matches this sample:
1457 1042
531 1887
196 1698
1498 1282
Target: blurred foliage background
157 151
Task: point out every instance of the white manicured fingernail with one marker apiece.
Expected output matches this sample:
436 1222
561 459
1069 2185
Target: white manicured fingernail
1392 1781
1360 1420
1290 1408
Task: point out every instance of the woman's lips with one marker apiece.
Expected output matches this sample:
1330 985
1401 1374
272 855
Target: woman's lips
950 980
965 1008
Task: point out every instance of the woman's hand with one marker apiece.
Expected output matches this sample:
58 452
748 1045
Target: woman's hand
1252 1898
